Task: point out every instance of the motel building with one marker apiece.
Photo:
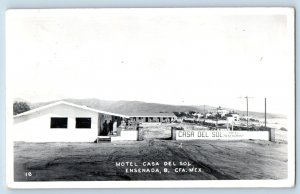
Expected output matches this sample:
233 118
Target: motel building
153 118
67 122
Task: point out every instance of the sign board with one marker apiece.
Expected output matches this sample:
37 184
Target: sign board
221 135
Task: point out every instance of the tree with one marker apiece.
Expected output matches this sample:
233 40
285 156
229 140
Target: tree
191 112
20 107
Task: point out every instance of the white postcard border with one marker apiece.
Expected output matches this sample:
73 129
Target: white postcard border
163 183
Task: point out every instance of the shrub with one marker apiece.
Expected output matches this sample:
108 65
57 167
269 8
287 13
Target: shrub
20 107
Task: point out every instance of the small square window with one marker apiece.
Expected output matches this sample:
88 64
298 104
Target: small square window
59 122
83 123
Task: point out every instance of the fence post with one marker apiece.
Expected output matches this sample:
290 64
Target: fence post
140 133
173 133
271 134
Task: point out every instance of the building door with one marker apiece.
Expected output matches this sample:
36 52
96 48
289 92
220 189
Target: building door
147 119
103 128
100 123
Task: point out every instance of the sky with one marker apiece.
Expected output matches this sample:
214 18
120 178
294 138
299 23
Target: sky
171 56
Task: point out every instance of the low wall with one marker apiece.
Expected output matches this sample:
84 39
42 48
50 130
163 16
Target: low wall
268 135
126 135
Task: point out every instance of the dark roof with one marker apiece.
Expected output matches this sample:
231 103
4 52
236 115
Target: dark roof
152 115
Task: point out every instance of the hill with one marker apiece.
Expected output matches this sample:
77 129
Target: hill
128 107
138 107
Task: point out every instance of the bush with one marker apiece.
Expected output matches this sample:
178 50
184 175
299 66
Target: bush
20 107
283 129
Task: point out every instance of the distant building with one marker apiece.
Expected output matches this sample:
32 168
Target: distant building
207 115
235 116
153 117
198 115
222 112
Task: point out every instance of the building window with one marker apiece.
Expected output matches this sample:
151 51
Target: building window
83 123
59 122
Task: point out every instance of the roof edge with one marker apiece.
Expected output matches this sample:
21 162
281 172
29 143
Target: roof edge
70 104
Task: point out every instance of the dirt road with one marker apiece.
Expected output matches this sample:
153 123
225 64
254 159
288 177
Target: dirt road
89 161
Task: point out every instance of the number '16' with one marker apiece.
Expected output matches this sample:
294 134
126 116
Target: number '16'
28 174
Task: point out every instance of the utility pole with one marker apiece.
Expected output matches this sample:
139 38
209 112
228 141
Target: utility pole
265 112
204 113
247 111
247 97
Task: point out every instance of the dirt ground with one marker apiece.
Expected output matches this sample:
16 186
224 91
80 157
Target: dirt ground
155 158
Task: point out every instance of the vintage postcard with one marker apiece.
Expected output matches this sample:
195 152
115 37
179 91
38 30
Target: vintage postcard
150 97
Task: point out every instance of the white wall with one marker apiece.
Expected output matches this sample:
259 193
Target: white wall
126 135
35 127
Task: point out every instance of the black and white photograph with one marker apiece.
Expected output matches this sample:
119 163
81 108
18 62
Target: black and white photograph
150 97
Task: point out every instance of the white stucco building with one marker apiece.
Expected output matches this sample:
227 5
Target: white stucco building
63 122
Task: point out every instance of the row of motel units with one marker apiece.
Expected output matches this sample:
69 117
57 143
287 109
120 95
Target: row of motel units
67 122
157 117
